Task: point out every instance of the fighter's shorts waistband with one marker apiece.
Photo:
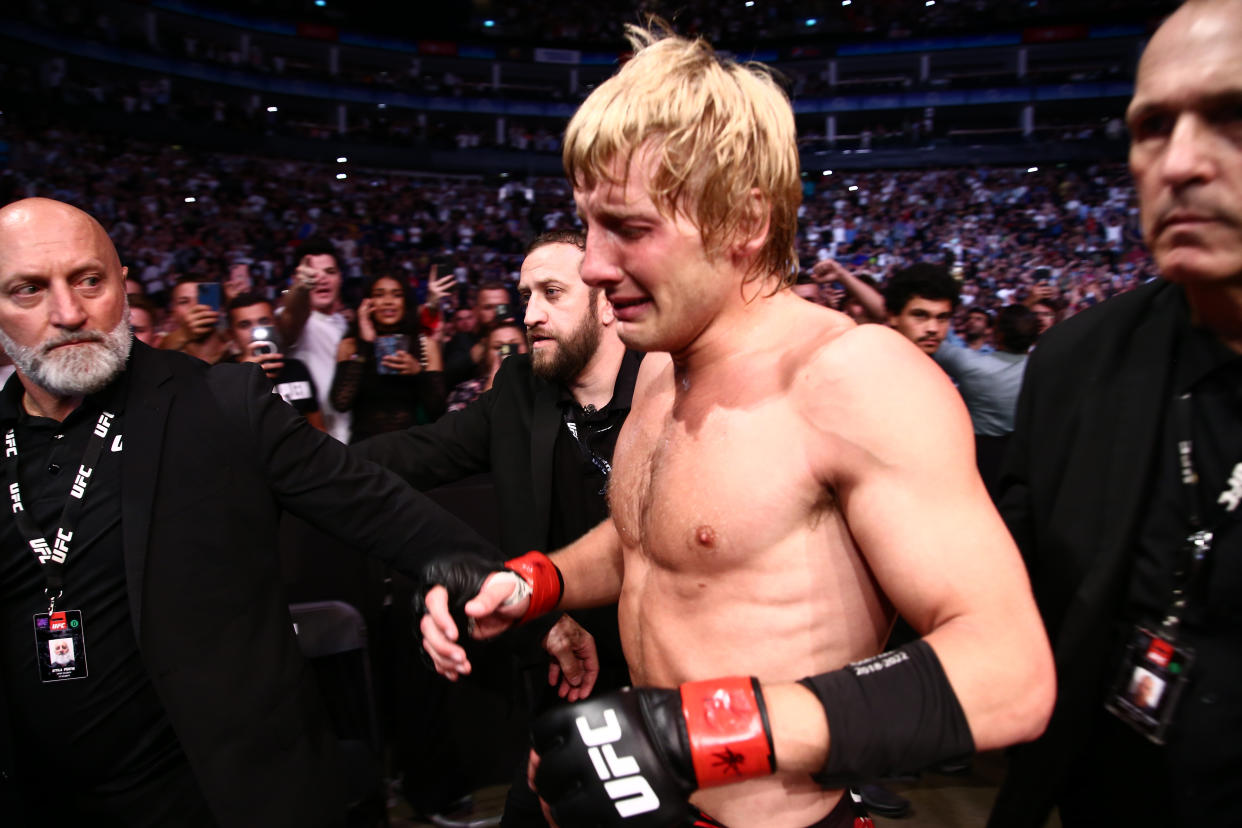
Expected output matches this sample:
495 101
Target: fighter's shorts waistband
848 813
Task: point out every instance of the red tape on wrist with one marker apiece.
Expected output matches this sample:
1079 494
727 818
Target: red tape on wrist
546 584
727 723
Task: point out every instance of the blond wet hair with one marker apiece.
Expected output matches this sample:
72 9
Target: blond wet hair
716 130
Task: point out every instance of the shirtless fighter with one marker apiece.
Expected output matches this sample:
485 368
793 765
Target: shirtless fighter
786 482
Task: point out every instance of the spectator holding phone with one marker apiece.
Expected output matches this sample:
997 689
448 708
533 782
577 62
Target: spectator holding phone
504 338
195 308
252 327
388 374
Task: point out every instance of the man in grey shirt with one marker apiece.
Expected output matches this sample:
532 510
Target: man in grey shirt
989 383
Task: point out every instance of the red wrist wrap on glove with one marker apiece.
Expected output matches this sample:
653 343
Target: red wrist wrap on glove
727 724
546 584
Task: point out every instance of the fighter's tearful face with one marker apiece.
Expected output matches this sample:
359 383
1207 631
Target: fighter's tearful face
665 289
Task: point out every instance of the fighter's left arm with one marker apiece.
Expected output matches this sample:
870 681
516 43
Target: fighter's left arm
898 453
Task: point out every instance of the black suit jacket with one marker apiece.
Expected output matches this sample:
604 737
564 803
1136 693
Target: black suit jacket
510 432
1075 486
211 458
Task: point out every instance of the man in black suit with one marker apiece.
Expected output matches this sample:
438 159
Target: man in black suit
1123 480
545 431
146 490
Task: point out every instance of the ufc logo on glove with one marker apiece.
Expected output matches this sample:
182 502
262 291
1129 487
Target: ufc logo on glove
629 791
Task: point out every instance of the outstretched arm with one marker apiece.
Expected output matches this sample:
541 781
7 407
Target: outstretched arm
493 601
295 305
872 300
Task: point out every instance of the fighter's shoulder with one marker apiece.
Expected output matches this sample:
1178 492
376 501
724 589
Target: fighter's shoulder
870 380
863 353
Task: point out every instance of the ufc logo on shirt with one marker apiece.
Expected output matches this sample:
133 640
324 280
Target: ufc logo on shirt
628 790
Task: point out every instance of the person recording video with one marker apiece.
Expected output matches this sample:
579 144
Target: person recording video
252 331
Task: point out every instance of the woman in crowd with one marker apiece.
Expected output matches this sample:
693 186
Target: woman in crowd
387 372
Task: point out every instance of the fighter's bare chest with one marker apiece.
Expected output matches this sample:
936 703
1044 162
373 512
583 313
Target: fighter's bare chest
725 482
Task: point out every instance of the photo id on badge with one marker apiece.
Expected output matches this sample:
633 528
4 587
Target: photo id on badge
60 646
1149 683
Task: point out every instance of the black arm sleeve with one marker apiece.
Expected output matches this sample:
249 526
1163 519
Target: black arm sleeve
887 714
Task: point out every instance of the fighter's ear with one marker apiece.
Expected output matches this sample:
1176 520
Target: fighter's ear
752 229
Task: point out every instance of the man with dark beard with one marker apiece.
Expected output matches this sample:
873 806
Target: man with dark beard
545 431
146 491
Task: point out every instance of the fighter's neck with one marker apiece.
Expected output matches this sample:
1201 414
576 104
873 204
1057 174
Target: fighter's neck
42 403
741 332
1218 307
596 383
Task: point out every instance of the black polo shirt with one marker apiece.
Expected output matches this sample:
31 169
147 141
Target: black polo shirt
1201 765
582 457
581 461
100 745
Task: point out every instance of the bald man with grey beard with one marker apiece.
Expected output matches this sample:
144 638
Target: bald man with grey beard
146 491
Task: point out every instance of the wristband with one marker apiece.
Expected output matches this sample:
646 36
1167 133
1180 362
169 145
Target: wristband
892 713
544 579
727 727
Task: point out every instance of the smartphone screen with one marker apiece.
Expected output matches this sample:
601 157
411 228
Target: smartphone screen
264 340
387 345
209 295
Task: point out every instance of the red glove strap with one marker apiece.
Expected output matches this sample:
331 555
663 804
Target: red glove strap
727 724
545 581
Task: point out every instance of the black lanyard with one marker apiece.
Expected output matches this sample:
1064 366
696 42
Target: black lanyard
582 431
52 557
1197 546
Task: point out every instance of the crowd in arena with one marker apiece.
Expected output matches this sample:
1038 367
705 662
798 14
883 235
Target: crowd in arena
837 548
1066 231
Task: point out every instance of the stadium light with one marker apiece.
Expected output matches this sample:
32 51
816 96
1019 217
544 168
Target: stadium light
341 159
811 21
321 3
853 187
272 109
190 199
487 24
1032 169
846 2
827 172
750 3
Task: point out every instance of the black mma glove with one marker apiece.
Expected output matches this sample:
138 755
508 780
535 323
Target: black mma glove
631 759
463 577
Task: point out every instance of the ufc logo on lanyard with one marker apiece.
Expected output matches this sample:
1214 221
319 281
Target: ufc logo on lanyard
60 637
59 550
101 427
